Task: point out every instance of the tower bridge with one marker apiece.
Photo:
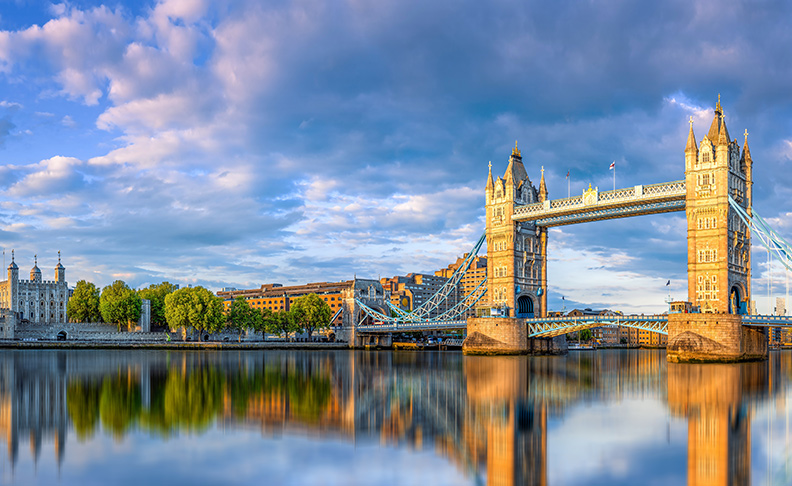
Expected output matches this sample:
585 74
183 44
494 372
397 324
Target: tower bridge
716 196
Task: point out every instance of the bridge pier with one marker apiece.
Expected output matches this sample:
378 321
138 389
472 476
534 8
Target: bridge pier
507 335
713 338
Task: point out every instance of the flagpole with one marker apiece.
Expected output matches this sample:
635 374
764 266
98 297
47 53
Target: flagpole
569 194
614 175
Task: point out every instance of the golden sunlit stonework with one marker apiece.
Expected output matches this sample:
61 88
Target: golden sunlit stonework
719 242
516 267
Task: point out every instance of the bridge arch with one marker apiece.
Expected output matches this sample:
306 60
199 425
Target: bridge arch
736 299
525 306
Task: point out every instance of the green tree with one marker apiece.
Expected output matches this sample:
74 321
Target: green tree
83 305
194 307
282 322
241 317
156 293
119 304
585 335
262 324
311 313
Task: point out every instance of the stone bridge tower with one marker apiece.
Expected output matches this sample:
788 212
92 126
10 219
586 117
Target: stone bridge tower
719 243
516 267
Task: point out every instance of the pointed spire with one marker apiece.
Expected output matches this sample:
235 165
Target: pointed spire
490 185
714 131
691 141
723 136
746 155
516 151
542 188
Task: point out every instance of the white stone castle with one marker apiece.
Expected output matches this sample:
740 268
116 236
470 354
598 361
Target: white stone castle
35 300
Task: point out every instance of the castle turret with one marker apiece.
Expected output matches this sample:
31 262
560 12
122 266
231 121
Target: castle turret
60 271
35 272
13 285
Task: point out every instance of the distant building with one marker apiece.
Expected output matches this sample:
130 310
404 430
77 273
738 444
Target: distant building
276 297
36 300
413 290
476 273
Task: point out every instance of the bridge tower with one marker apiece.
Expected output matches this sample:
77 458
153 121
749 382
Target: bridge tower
516 266
719 243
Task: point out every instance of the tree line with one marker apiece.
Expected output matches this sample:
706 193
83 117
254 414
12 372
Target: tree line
193 307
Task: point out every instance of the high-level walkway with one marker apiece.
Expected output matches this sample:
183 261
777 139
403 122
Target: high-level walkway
593 205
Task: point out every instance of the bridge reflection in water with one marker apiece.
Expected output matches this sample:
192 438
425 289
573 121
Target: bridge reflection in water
490 417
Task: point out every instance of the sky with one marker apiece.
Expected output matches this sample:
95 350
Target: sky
236 143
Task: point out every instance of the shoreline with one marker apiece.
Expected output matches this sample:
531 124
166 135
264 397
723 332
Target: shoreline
179 345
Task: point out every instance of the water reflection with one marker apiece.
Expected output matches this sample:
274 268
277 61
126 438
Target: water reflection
493 420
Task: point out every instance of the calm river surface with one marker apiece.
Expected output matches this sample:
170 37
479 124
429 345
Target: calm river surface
393 418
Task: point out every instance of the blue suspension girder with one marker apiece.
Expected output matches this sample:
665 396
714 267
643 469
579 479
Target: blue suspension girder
556 326
450 286
613 213
594 205
775 244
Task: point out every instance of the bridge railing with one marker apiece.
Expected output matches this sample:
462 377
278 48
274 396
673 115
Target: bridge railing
623 195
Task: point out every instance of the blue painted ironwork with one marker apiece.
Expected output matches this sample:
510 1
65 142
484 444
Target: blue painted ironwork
584 216
594 205
423 315
556 326
430 306
767 321
395 326
775 244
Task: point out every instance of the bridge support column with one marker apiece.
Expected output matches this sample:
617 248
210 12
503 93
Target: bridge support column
505 335
543 249
714 338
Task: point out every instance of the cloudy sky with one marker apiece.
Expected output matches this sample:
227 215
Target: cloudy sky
243 142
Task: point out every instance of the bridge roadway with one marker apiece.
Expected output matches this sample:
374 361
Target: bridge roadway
593 205
556 326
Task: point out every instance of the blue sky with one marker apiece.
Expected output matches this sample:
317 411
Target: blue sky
244 142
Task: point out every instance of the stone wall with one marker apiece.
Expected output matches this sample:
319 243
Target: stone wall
507 335
713 337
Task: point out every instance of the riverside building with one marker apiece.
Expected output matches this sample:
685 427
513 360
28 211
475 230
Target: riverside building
276 297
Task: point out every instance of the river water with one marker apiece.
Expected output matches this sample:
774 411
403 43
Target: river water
390 418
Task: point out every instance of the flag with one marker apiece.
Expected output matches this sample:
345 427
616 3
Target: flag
567 174
612 166
668 283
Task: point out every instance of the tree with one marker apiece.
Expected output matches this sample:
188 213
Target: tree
119 304
282 322
83 305
241 317
585 335
156 293
263 323
194 307
311 313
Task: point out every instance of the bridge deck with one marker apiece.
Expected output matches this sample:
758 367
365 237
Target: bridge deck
555 326
595 206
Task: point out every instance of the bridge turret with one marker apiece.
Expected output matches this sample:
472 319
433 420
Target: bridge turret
718 242
542 188
691 149
514 257
490 184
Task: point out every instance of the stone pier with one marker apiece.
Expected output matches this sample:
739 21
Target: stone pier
507 335
714 338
